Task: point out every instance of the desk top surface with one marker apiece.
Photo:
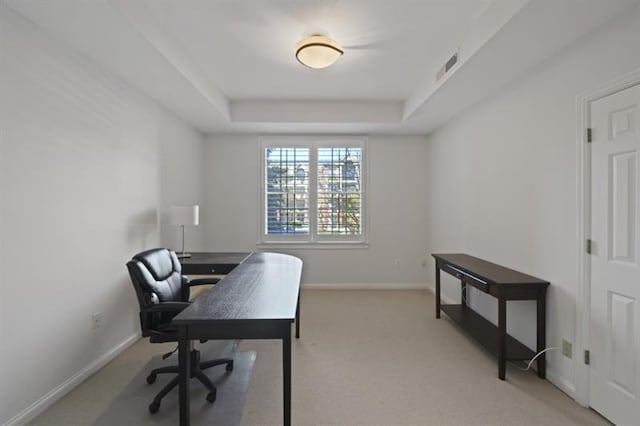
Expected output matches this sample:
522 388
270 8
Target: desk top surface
264 286
487 271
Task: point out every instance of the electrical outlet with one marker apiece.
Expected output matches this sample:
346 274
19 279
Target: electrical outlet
567 349
96 320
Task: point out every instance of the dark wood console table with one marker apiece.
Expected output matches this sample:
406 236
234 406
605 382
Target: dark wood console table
504 284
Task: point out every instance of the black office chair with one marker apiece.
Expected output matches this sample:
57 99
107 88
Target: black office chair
162 293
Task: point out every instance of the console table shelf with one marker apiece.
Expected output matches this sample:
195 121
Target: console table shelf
485 332
504 284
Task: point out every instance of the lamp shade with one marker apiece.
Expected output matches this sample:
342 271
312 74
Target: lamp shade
184 215
318 51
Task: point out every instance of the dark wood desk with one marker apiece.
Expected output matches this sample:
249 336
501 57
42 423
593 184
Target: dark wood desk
258 299
504 284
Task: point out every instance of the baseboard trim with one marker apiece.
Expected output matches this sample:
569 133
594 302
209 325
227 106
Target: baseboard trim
68 385
365 286
563 384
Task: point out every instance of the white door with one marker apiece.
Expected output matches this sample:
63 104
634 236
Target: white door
615 268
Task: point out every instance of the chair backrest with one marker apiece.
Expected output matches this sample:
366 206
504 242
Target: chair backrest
156 276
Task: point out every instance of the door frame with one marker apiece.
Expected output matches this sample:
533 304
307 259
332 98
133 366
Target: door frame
583 296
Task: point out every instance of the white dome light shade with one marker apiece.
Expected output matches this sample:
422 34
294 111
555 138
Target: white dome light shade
318 51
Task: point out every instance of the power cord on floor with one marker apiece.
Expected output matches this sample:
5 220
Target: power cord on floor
535 357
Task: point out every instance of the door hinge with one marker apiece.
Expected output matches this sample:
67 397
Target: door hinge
589 135
589 246
587 357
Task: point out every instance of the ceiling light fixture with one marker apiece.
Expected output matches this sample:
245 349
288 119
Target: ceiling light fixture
318 51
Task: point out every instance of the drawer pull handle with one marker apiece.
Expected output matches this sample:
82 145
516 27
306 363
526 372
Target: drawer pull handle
459 274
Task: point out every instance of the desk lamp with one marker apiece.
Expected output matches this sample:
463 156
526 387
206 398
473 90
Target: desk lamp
183 216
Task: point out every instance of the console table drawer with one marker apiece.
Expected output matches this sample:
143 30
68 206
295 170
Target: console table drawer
466 277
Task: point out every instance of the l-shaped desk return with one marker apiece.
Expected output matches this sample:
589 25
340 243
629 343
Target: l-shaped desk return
257 299
504 284
216 263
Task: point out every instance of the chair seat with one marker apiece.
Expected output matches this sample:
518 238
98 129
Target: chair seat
164 333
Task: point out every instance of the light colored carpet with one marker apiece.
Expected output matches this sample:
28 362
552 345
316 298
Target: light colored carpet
131 405
364 358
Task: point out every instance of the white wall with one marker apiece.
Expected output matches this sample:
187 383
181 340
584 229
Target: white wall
502 179
181 181
82 157
396 211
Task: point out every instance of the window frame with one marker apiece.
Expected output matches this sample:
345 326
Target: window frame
313 143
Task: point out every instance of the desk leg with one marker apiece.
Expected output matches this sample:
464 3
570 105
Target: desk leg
184 360
502 337
286 377
541 332
298 317
437 291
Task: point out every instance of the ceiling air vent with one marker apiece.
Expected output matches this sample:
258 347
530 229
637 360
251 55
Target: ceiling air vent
451 62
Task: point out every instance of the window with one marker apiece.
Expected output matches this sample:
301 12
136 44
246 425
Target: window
312 190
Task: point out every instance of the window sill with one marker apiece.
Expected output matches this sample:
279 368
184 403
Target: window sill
329 245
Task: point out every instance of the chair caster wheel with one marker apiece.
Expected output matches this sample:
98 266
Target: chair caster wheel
151 378
153 407
229 366
211 397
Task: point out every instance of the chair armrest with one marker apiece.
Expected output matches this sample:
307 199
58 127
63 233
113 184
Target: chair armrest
186 289
167 307
203 281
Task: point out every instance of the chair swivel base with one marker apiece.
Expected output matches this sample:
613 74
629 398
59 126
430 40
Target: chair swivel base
196 372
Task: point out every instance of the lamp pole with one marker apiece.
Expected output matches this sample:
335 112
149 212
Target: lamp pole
183 216
183 253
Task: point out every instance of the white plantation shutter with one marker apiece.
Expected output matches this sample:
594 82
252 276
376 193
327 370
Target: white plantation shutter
339 191
287 191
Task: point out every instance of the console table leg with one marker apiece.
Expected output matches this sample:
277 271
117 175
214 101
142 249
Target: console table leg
502 338
541 332
463 293
437 291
